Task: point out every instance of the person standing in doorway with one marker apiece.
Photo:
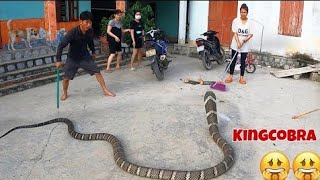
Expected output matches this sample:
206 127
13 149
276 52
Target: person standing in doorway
114 35
242 33
79 38
137 33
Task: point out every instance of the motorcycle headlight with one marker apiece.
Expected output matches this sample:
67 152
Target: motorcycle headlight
162 57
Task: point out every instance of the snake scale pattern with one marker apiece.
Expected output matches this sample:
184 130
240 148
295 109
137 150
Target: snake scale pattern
154 173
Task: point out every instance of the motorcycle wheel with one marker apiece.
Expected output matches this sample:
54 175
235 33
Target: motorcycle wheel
221 58
207 63
251 68
159 73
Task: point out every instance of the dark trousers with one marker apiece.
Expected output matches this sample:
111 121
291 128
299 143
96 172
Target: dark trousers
242 59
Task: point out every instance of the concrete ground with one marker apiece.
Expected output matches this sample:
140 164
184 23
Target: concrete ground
160 124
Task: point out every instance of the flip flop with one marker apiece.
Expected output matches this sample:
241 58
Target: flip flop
108 71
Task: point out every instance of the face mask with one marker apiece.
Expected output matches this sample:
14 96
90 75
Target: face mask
138 17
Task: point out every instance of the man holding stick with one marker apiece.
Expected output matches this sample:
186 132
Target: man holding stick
78 56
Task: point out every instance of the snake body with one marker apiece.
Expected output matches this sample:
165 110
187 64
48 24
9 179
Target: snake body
154 173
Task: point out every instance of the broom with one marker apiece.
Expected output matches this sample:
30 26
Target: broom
219 85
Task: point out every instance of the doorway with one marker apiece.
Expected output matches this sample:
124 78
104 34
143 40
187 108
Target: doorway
221 15
99 10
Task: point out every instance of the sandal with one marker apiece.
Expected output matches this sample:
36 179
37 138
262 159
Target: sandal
242 81
229 79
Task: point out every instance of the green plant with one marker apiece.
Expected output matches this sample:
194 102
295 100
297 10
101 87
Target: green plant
147 17
303 56
303 59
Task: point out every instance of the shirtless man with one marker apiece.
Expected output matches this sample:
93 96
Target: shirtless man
79 38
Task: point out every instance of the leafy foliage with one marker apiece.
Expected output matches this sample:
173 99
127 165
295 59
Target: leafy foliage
147 17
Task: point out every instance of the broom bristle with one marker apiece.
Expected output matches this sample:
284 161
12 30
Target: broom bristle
218 86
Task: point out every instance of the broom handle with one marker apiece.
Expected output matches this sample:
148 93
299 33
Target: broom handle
225 72
58 89
302 114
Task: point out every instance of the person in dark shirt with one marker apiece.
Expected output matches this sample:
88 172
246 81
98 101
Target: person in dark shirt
114 35
79 38
137 33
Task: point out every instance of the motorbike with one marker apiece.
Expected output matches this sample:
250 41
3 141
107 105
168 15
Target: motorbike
210 50
156 52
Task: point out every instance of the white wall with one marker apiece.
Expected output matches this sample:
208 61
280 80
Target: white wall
268 12
198 18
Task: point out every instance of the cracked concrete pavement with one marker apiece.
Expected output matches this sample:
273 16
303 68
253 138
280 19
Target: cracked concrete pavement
160 124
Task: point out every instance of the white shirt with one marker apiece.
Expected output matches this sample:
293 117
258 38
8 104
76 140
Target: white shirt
243 31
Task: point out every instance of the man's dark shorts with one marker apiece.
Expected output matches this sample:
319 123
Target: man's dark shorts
71 67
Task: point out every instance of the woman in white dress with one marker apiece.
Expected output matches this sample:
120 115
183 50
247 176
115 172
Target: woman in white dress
242 33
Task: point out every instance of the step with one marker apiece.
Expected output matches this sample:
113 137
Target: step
296 71
25 63
45 80
34 72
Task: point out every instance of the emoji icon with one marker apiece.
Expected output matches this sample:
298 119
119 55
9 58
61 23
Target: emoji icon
306 166
275 166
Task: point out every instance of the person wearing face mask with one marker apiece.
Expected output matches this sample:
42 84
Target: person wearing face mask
137 33
242 33
114 35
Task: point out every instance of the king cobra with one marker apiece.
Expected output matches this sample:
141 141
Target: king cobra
154 173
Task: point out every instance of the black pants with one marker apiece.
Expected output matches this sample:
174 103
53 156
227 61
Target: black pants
243 62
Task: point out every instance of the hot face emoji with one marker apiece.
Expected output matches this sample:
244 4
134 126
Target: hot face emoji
275 166
306 166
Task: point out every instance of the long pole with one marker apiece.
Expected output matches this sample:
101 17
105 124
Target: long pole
58 89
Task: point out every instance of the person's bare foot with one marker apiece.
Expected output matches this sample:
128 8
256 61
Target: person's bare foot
109 93
118 67
108 71
140 66
64 97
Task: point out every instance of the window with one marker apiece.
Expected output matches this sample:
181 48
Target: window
67 10
290 21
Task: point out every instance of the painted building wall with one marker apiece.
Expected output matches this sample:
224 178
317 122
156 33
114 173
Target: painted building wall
30 9
21 9
30 14
268 13
167 17
198 18
84 6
